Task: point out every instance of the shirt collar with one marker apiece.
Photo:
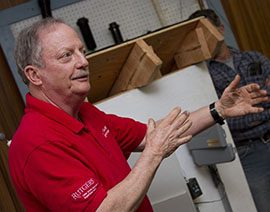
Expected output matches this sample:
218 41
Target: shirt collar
53 113
235 54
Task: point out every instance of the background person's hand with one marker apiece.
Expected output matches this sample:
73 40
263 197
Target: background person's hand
164 139
240 101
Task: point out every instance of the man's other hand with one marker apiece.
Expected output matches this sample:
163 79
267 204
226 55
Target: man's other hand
240 101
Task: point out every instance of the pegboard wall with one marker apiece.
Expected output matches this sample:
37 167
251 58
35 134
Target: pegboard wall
135 17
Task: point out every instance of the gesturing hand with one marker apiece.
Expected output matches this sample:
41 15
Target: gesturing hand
164 139
239 101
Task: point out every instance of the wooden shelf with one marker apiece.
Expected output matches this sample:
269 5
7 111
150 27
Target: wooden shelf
176 47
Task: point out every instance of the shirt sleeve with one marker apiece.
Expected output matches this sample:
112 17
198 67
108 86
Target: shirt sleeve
57 176
128 132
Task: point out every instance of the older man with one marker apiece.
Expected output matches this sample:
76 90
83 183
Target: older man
68 156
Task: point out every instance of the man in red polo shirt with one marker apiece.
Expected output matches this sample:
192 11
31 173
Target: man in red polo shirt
69 156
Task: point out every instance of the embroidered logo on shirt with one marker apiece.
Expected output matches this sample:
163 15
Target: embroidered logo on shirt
105 131
85 190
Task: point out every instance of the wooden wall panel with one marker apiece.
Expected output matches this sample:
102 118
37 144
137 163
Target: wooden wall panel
12 105
11 3
11 111
9 201
6 201
249 21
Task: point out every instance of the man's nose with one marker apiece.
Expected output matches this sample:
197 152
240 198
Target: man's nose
81 61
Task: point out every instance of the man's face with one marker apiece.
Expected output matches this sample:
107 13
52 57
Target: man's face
66 69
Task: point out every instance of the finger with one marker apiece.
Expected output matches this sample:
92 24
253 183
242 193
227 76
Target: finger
178 132
178 142
180 120
184 139
252 87
256 109
260 93
259 100
151 125
181 130
169 119
234 83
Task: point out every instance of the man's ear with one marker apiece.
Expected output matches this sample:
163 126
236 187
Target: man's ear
32 73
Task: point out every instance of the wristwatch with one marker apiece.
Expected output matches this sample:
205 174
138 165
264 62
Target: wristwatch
215 115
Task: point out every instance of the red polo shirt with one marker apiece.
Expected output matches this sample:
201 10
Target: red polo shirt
60 164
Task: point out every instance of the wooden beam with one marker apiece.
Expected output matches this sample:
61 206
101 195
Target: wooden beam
104 68
199 45
148 70
160 14
193 50
141 67
213 37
